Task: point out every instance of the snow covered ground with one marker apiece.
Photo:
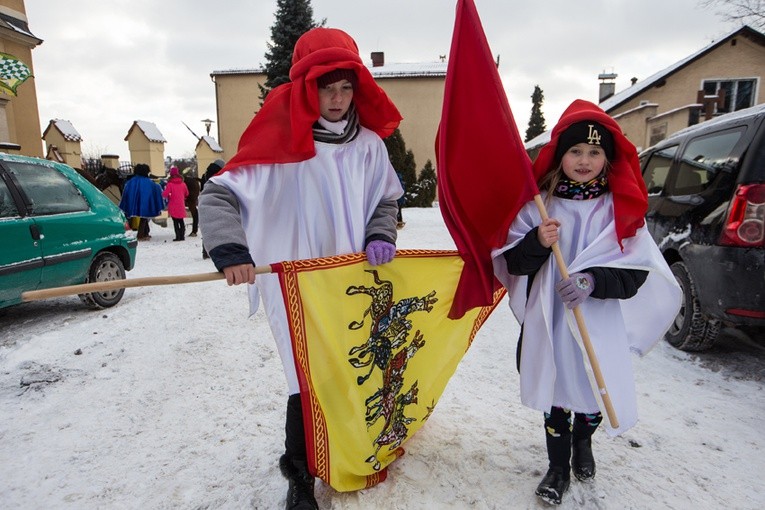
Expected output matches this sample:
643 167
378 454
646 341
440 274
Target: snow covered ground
174 399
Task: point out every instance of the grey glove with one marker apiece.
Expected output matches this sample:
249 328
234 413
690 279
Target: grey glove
575 289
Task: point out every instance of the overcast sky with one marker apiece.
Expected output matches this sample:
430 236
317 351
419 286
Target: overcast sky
103 65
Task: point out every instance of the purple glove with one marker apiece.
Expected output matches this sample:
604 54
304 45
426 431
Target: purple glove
380 252
575 289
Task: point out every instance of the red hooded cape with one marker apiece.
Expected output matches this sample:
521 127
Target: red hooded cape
624 179
281 132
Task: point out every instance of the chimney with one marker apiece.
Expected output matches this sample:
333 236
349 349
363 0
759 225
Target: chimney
378 58
607 86
633 80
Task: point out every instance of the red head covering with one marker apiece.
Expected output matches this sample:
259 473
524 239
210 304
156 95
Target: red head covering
281 132
624 179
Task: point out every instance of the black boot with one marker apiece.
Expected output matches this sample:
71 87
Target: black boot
300 493
558 439
582 461
553 485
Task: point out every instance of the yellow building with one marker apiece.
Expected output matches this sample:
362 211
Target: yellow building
417 89
725 76
146 145
62 142
19 117
207 151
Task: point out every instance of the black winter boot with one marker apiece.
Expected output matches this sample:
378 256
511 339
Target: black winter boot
558 439
553 485
300 493
582 460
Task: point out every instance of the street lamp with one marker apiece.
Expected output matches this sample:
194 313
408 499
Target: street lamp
208 123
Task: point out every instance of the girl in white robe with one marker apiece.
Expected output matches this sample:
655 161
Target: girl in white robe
595 198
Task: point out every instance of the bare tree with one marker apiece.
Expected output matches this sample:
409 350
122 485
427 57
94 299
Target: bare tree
745 12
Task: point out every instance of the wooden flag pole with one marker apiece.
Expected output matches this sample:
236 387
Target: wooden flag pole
591 356
87 288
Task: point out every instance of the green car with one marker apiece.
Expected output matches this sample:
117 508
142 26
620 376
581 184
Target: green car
57 229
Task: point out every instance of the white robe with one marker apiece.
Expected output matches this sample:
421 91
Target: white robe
553 370
315 208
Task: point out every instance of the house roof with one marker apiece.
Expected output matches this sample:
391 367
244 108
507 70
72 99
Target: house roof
19 27
409 70
393 70
210 141
622 97
150 131
65 128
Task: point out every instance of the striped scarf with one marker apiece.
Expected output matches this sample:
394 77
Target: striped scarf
351 130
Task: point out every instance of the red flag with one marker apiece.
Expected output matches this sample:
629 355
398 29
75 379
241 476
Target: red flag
484 173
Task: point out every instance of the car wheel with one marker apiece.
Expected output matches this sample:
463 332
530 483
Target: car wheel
690 331
105 267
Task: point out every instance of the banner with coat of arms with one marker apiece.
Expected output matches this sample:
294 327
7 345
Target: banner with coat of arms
13 72
374 349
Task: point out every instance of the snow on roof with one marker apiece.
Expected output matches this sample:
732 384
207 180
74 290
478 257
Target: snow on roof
149 129
409 70
538 140
67 130
630 92
254 70
393 70
212 143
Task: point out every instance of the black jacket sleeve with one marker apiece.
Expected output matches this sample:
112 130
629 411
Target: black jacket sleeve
616 283
526 257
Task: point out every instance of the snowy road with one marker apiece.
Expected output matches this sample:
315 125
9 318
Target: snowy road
174 399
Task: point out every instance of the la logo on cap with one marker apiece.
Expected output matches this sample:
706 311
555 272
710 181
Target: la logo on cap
593 138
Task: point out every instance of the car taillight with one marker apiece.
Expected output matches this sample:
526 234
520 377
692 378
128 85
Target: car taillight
127 226
745 225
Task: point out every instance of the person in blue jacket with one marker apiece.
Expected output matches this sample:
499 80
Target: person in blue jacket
142 198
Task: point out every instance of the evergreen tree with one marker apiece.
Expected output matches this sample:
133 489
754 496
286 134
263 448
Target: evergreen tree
424 192
402 161
293 19
537 118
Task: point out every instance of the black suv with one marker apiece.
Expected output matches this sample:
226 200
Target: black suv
706 211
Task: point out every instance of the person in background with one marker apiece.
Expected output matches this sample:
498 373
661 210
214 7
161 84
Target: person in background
142 198
589 178
212 169
194 186
400 223
176 194
312 178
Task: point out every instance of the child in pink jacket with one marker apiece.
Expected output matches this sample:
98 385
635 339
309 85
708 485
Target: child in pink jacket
176 192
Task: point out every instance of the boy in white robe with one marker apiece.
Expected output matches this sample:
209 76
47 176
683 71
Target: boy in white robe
312 178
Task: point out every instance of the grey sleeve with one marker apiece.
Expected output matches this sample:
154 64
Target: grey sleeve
382 225
219 217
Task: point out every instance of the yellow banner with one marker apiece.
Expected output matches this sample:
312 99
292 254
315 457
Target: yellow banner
374 350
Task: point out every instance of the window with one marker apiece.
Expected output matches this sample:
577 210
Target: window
658 133
704 159
739 94
655 173
7 207
48 190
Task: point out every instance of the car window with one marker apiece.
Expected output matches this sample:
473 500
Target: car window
704 158
656 170
7 206
48 190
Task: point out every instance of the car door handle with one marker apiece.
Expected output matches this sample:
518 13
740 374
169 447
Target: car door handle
35 231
